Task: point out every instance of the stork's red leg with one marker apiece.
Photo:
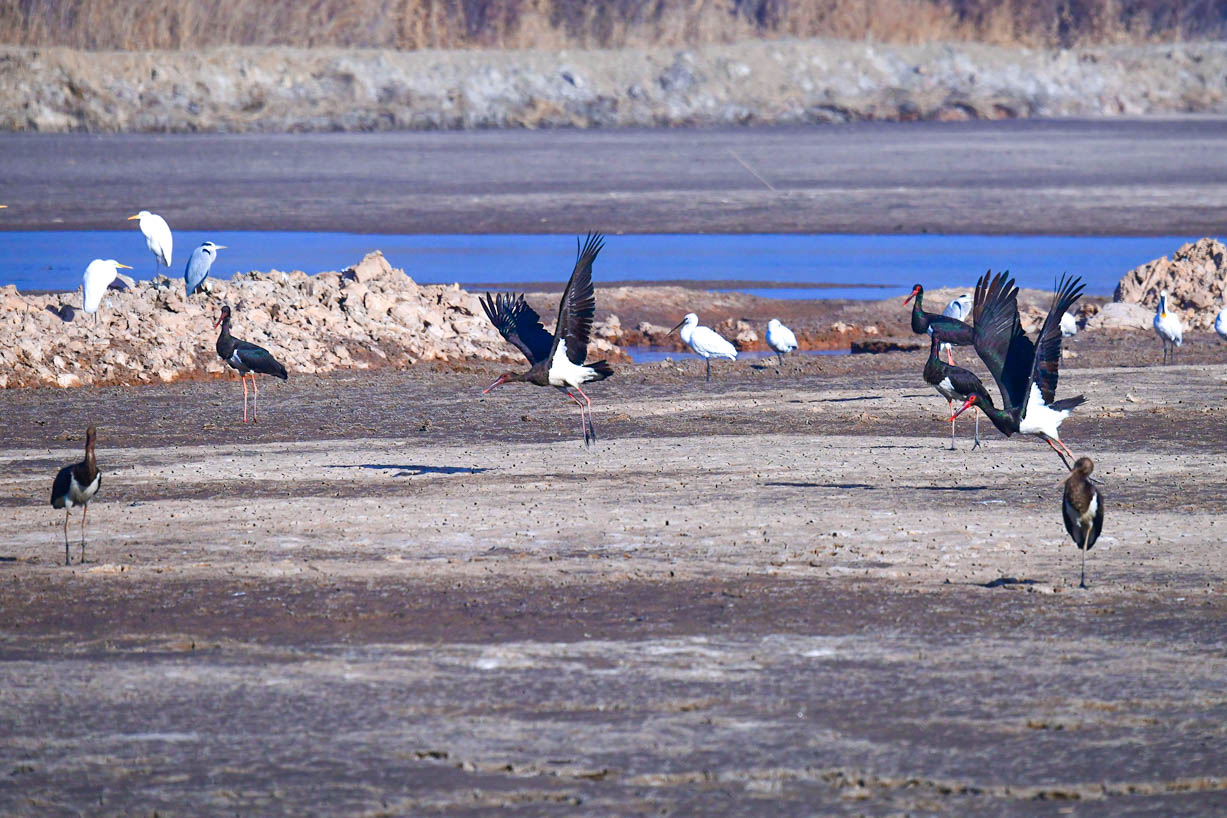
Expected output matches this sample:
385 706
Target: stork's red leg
255 401
589 429
243 378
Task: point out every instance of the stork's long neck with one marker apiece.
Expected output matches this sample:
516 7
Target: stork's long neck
918 313
91 465
1003 419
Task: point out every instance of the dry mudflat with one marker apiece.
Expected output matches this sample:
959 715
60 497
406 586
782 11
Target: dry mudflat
777 593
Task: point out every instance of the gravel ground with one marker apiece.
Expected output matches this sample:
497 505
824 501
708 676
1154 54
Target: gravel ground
779 592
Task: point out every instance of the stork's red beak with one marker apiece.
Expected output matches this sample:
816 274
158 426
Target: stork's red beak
501 380
218 322
971 401
913 295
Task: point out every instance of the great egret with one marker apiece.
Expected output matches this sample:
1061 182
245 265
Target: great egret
557 360
960 310
704 341
1168 328
75 485
1082 508
780 338
98 276
1069 325
157 238
248 359
1220 323
198 266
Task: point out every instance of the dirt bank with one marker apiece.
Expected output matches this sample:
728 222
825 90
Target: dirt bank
761 82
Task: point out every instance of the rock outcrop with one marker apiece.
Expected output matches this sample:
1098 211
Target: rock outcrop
1195 278
367 316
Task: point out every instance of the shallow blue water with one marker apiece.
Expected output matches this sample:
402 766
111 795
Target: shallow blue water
858 266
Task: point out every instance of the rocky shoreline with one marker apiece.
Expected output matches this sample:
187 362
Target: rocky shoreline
754 82
373 315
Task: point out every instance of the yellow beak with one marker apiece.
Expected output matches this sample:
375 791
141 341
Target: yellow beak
137 216
125 266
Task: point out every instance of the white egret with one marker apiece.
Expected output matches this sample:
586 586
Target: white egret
1069 325
157 238
98 276
1168 328
1220 322
960 310
780 338
198 266
704 341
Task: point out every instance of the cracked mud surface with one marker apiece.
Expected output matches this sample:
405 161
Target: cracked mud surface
777 593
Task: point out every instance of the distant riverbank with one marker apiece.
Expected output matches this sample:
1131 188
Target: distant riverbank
754 82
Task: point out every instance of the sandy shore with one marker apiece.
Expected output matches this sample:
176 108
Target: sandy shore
778 593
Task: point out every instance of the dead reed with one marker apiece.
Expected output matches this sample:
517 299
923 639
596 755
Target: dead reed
553 24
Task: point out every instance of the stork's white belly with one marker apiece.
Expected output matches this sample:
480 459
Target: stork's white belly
946 389
1038 419
78 494
565 373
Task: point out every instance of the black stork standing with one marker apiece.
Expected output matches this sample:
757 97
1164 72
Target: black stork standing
1082 508
951 382
248 359
1025 372
557 360
76 485
954 331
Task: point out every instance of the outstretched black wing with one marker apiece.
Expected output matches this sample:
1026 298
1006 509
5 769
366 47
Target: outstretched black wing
999 338
1048 343
259 359
519 324
578 303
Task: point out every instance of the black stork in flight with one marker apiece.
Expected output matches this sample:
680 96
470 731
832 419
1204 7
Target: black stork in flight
76 485
951 382
1025 372
248 359
954 331
557 360
1082 508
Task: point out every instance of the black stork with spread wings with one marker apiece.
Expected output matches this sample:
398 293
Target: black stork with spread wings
1025 372
557 360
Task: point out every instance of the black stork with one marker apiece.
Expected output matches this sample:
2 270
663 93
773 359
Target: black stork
557 360
1025 372
951 382
248 359
1082 508
76 485
954 331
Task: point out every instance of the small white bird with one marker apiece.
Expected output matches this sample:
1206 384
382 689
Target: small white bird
780 338
1220 322
960 310
1168 328
1069 325
98 276
704 341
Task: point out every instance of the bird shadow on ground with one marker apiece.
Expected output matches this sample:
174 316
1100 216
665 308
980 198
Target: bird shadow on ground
1003 582
946 488
846 400
823 485
65 313
413 470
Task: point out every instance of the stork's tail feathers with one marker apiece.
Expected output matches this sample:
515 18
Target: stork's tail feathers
602 369
1067 404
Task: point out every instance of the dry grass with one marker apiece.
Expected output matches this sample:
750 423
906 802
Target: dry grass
552 24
